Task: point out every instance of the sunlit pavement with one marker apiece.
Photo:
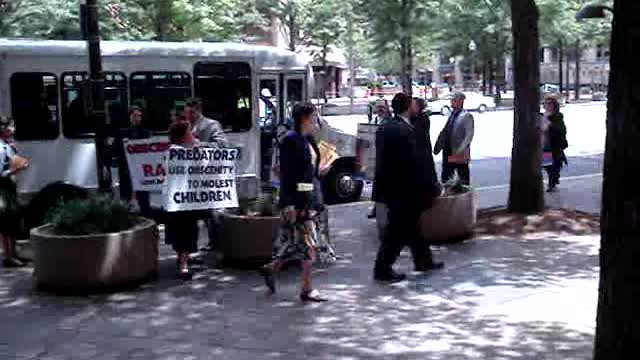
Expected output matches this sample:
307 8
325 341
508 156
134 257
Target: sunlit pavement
498 298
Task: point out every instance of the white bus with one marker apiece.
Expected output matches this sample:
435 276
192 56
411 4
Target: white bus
248 88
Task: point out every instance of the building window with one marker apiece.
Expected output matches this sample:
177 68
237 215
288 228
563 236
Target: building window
602 53
34 104
159 93
76 122
225 90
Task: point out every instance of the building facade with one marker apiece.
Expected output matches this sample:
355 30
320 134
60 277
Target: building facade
594 67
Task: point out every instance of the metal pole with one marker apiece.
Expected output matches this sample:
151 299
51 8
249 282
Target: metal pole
97 112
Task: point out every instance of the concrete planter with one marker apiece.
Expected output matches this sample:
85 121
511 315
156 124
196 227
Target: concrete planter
451 219
95 262
247 240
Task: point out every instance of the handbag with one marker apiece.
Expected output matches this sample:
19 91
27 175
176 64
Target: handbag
547 158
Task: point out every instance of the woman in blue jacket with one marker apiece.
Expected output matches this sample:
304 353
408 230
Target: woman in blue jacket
298 160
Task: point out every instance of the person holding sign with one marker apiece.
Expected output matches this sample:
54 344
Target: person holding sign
181 229
10 164
137 132
296 240
207 132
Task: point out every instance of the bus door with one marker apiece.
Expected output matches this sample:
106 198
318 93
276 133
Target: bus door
268 119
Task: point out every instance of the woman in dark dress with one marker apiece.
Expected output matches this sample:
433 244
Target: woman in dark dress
10 165
297 168
181 230
554 141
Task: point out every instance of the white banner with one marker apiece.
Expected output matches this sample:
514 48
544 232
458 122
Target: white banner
200 179
145 159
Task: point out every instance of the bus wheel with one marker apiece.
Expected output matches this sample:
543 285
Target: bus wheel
47 199
341 187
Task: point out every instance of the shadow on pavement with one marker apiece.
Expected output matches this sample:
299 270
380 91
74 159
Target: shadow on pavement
471 310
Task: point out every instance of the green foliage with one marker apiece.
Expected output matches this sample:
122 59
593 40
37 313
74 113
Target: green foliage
167 20
101 214
41 19
455 187
558 22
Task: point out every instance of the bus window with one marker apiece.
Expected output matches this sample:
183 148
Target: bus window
225 90
76 122
295 94
34 104
158 93
115 93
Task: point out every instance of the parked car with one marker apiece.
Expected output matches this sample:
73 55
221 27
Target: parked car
599 96
473 102
389 84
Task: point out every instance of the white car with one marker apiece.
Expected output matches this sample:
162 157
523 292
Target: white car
473 102
389 84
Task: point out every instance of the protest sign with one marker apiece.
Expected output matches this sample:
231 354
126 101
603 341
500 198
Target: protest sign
145 159
200 179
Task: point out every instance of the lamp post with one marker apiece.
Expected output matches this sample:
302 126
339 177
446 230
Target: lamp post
472 48
96 108
591 11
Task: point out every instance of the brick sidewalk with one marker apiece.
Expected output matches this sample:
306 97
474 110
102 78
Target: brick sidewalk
498 298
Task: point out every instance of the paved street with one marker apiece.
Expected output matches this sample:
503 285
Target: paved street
492 144
493 141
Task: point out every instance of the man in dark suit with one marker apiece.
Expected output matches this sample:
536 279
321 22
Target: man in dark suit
404 183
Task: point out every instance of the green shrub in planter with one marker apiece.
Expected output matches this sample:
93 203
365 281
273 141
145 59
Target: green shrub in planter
96 215
264 205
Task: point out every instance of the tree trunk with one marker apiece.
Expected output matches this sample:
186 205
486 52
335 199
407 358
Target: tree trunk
560 58
163 19
492 78
484 78
618 321
325 72
409 80
405 48
567 72
499 68
526 190
499 77
293 29
403 65
578 61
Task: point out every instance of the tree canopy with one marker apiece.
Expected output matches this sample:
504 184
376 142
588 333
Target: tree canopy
379 34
